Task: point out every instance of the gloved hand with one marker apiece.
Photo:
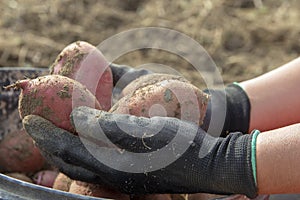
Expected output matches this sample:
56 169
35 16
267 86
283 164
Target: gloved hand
227 111
147 155
123 75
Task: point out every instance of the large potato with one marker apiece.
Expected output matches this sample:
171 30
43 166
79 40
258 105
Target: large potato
84 63
53 97
163 95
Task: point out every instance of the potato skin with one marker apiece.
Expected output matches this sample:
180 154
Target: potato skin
150 79
84 63
19 154
168 95
53 97
153 197
83 188
45 178
62 182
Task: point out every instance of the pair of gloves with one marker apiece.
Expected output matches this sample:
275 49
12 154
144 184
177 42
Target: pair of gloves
160 154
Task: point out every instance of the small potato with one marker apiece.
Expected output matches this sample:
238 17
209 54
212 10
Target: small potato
78 187
153 197
169 96
45 178
203 196
62 182
179 197
19 154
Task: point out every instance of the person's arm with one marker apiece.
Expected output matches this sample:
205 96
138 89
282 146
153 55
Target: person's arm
278 163
274 97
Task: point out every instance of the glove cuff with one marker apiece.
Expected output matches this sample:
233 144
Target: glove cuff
237 165
238 109
235 103
131 73
253 153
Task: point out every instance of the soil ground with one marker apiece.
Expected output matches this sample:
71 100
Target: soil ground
245 38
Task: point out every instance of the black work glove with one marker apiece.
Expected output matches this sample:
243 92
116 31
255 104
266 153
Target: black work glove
147 155
227 111
123 75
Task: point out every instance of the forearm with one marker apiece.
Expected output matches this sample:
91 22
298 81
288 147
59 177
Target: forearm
278 163
275 97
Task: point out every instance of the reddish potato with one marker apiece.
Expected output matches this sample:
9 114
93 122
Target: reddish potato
149 79
179 197
203 196
169 96
153 197
45 178
62 182
53 97
84 63
19 154
78 187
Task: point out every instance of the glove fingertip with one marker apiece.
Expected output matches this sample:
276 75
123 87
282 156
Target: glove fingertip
33 124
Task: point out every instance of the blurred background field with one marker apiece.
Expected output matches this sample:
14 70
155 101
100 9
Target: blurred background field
245 38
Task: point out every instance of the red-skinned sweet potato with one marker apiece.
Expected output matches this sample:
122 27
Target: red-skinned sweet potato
84 63
53 97
149 79
163 95
153 197
45 178
78 187
62 182
19 154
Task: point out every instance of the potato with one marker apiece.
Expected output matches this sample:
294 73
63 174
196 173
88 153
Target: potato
153 197
179 197
19 154
45 178
78 187
83 62
149 79
203 196
62 182
163 95
53 97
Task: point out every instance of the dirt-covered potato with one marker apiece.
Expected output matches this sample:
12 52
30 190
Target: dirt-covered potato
19 154
53 97
83 188
84 63
62 182
163 95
